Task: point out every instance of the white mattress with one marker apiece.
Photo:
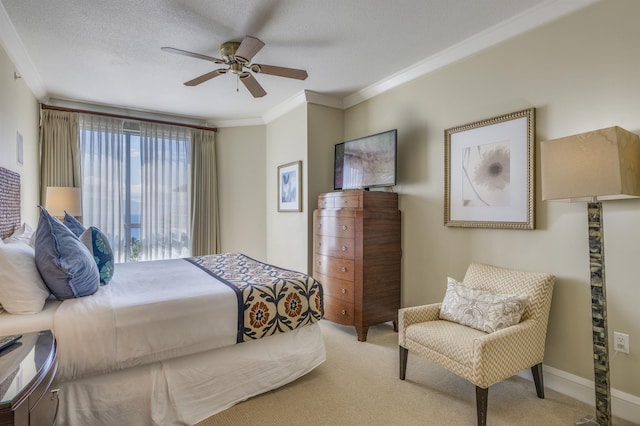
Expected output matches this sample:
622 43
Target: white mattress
150 311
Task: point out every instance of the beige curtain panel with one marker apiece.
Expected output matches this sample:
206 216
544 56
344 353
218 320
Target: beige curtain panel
205 222
59 151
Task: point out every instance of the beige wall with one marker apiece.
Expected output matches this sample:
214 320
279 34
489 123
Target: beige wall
287 231
241 154
325 129
580 73
19 114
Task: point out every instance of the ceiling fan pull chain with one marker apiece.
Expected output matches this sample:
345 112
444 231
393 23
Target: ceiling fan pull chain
237 83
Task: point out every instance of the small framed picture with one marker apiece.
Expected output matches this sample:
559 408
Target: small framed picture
290 187
489 172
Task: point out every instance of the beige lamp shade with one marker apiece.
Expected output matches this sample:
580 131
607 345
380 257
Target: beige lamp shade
599 165
61 199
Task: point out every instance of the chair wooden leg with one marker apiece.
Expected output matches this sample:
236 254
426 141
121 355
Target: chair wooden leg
538 379
482 395
404 354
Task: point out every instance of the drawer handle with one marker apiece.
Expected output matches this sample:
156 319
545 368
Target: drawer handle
345 227
344 248
343 269
344 291
344 312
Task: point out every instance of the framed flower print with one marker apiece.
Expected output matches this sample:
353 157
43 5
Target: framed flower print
489 172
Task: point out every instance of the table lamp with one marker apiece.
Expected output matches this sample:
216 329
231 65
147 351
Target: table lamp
594 166
61 198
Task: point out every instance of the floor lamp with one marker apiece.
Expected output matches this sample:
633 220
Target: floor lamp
594 167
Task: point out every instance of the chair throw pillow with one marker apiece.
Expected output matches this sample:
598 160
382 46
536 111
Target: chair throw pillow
480 309
65 264
98 244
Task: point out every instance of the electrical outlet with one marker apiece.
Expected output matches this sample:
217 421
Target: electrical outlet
621 342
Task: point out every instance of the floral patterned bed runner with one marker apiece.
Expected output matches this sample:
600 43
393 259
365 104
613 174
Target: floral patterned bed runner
271 300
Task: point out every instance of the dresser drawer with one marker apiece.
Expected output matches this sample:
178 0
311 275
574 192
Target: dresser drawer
336 288
347 200
335 247
325 202
334 267
338 311
339 200
335 226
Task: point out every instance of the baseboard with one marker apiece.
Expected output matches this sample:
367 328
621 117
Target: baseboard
623 405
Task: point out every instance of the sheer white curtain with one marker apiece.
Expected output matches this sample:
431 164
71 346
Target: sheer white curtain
165 155
102 147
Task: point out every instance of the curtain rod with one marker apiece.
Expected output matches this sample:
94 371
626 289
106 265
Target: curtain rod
126 117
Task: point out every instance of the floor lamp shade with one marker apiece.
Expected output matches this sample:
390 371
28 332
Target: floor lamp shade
599 165
61 198
594 166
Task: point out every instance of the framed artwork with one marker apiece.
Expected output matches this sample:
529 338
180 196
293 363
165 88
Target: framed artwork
489 172
290 187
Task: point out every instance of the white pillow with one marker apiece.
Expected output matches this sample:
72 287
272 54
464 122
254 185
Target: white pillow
480 309
22 234
22 290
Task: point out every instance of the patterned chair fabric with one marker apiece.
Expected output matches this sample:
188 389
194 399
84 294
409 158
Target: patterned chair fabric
482 358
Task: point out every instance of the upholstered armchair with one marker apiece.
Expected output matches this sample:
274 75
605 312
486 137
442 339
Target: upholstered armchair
483 358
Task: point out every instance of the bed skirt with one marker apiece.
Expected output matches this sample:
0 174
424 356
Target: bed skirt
189 389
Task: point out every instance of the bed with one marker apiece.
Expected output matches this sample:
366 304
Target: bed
173 342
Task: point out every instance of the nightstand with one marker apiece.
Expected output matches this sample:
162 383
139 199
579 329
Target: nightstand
27 370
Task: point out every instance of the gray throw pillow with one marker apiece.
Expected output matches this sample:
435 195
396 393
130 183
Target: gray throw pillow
480 309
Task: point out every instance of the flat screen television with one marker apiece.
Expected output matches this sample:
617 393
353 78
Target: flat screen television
366 162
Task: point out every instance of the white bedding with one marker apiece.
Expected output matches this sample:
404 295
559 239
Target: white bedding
150 311
115 368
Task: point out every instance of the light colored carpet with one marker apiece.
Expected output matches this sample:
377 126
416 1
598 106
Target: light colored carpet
358 385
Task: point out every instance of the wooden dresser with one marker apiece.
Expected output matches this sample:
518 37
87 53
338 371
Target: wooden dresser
357 257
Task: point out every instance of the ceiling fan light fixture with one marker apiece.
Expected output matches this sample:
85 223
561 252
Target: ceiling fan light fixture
236 68
237 57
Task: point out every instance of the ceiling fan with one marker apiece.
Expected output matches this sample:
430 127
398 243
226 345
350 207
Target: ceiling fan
237 56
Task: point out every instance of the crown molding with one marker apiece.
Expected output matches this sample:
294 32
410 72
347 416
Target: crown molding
18 54
535 17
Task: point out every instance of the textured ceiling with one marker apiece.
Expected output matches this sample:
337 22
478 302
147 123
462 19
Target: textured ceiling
108 52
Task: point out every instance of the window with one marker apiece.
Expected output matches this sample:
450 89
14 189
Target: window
136 186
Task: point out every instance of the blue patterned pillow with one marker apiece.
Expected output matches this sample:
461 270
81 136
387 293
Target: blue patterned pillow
65 264
74 224
98 244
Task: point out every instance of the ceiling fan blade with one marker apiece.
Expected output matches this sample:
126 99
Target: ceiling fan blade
206 77
279 71
248 48
252 85
191 54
